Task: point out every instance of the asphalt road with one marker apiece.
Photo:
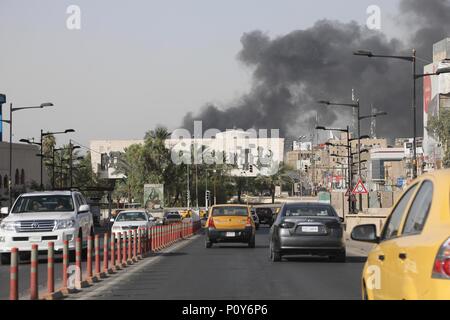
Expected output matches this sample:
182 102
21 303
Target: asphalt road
233 272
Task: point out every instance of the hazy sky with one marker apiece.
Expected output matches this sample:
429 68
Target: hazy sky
138 63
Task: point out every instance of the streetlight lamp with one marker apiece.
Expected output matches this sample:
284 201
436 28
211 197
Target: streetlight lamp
41 144
10 122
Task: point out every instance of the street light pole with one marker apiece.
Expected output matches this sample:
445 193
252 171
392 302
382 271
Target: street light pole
42 162
414 107
11 111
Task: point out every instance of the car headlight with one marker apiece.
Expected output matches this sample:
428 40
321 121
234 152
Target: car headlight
64 224
9 226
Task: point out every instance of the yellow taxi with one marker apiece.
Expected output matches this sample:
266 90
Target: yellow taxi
187 213
230 223
411 257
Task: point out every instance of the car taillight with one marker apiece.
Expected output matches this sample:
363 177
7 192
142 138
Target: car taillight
287 225
441 267
211 223
249 222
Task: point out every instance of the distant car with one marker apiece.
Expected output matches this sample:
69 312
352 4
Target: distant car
41 217
255 218
132 220
230 223
411 258
172 217
307 229
185 213
265 215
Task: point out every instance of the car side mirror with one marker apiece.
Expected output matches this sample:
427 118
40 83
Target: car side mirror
341 219
4 210
84 208
365 233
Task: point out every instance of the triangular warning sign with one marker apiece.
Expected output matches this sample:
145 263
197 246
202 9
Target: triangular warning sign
360 188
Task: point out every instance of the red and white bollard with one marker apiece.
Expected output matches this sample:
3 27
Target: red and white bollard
134 232
65 265
50 267
89 257
140 249
79 270
97 254
124 249
129 246
14 275
34 294
119 251
105 252
112 248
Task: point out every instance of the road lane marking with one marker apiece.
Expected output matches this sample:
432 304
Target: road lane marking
129 272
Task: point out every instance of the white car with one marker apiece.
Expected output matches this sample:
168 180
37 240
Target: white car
132 220
41 217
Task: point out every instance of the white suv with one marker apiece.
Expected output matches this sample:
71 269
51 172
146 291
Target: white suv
41 217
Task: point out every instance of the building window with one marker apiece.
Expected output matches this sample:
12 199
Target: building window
22 177
17 177
1 184
5 182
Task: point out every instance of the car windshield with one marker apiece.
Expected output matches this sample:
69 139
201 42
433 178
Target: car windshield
132 216
309 211
173 216
229 211
53 203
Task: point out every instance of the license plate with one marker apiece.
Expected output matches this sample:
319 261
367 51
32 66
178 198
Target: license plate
230 234
310 229
35 239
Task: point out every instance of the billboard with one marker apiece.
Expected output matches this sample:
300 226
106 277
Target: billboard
153 196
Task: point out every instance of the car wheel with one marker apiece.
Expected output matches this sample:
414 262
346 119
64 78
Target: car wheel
251 243
208 244
5 259
274 256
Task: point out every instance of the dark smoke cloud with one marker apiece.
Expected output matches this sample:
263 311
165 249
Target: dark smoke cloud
293 71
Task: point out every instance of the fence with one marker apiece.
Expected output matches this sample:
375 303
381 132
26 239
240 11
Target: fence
118 251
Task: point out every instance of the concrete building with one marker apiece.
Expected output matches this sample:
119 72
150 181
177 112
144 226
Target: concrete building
386 169
248 154
436 92
26 169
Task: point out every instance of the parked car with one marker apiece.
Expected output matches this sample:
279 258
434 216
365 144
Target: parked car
132 220
255 218
230 223
41 217
172 217
307 229
265 215
411 257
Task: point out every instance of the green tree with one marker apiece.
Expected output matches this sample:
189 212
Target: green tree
439 128
271 181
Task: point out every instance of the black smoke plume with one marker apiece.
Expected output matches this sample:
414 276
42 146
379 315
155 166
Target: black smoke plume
292 72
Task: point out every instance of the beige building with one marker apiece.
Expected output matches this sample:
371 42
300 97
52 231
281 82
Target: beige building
26 169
